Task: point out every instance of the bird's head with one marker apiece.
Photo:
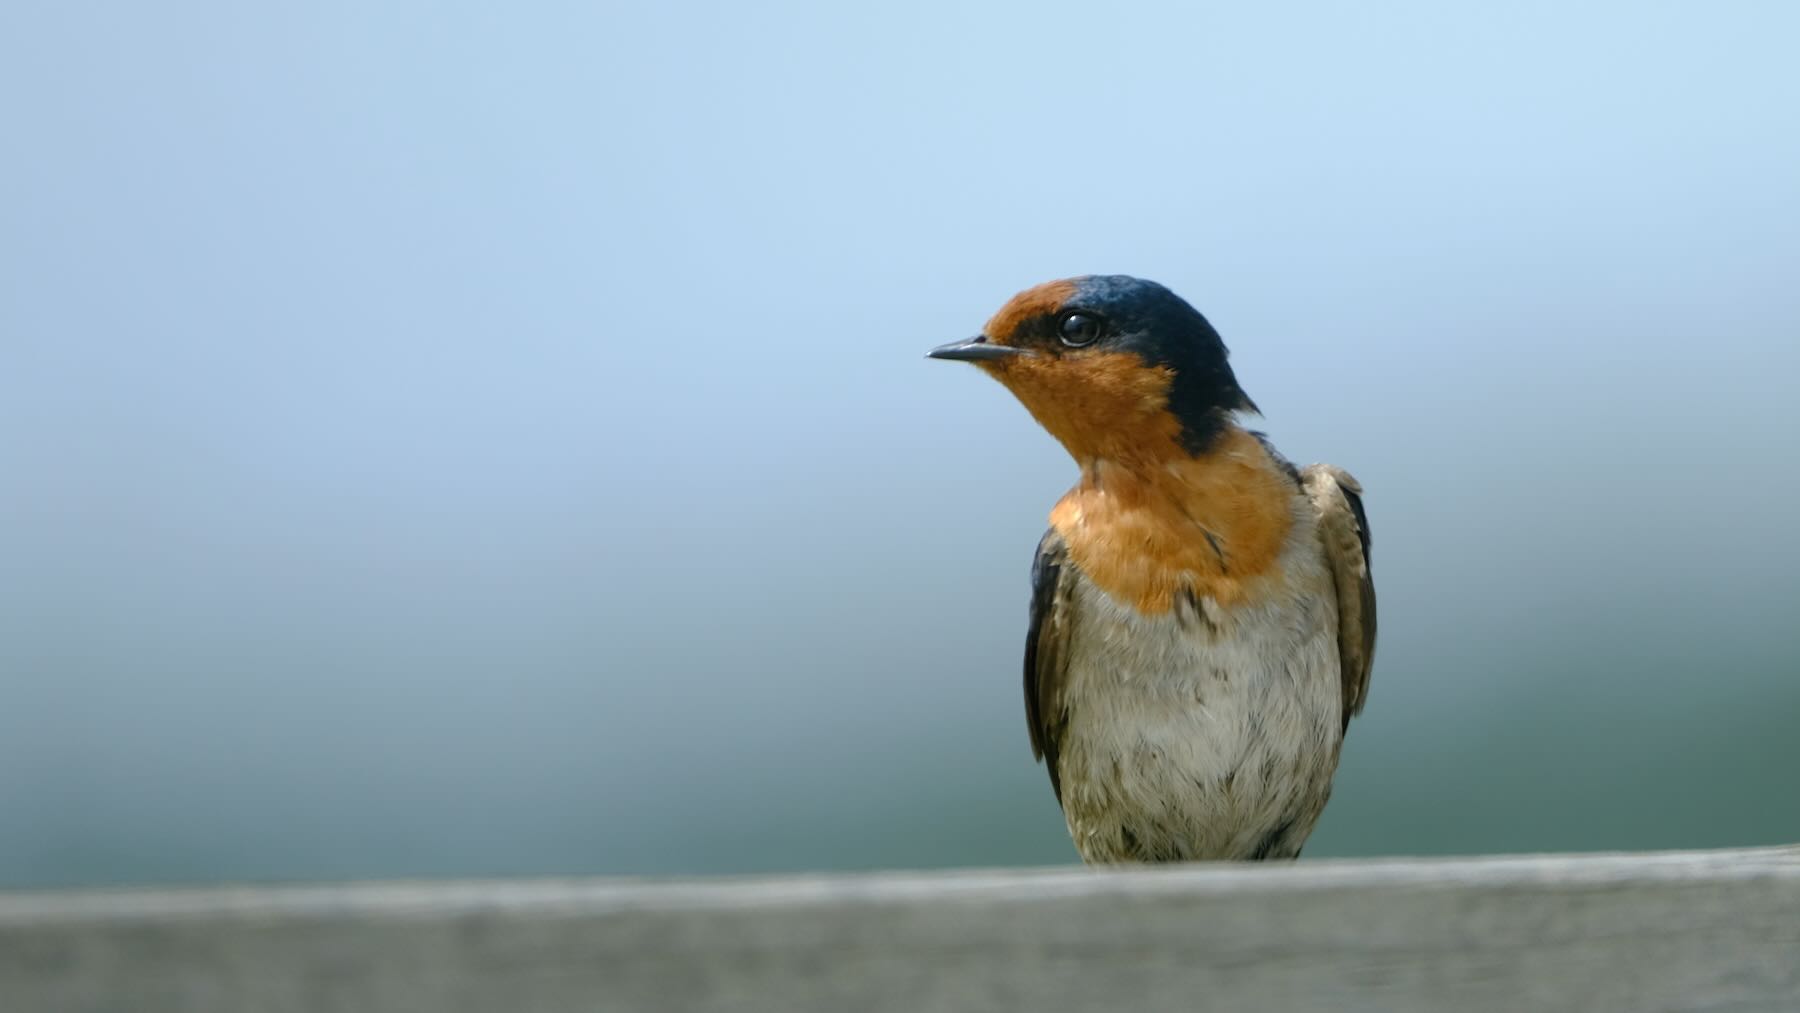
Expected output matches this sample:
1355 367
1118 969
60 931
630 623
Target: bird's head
1112 366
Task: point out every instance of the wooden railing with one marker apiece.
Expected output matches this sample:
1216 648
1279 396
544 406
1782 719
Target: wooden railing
1676 931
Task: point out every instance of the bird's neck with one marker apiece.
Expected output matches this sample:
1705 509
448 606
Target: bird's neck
1148 530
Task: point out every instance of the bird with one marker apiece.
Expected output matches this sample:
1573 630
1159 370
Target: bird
1202 614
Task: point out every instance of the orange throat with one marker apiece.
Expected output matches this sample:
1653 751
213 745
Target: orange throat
1147 531
1106 405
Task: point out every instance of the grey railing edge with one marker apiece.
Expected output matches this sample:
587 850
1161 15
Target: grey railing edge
599 895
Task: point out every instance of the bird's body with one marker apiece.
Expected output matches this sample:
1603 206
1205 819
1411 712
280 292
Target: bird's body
1202 617
1208 728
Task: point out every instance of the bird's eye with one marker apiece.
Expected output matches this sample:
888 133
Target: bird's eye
1079 329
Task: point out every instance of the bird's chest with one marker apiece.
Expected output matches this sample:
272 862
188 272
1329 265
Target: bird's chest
1205 731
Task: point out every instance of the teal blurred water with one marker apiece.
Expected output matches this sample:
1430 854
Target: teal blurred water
442 441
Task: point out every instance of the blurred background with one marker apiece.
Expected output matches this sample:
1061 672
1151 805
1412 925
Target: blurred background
454 439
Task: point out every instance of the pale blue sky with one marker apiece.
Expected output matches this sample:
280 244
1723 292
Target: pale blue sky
457 439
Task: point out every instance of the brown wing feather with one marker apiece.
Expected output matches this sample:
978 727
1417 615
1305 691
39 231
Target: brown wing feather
1344 533
1046 652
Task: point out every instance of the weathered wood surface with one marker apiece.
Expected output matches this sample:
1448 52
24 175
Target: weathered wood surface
1679 931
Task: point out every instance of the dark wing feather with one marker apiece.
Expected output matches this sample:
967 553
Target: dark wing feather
1344 533
1047 651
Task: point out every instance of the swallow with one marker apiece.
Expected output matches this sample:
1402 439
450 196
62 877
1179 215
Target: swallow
1202 618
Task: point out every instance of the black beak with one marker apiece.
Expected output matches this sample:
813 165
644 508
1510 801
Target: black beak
976 349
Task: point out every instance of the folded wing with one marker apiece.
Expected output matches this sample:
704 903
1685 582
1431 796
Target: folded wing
1344 532
1047 651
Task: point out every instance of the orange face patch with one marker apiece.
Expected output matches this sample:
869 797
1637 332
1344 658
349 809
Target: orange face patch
1033 302
1209 525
